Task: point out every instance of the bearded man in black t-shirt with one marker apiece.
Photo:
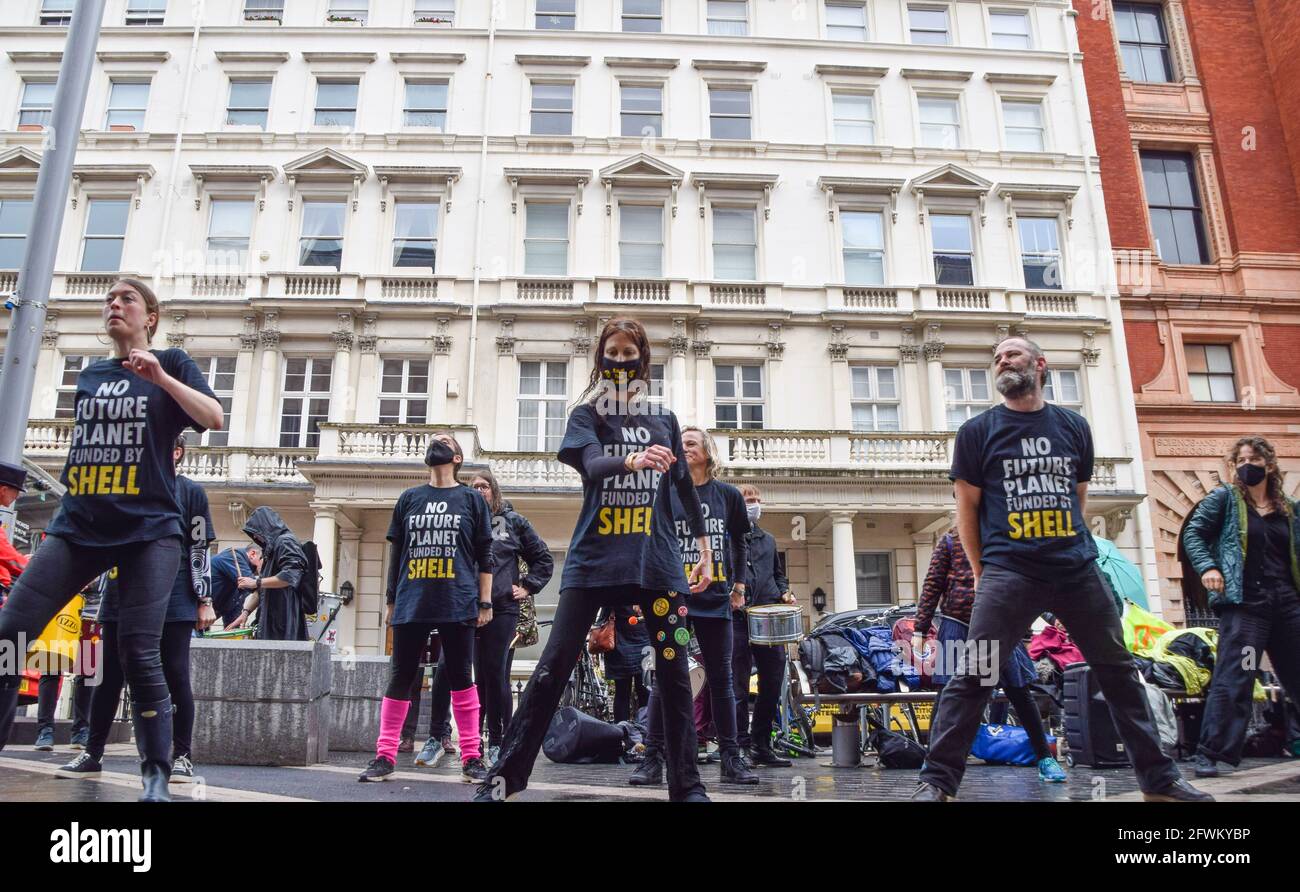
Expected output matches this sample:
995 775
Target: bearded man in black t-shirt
1021 472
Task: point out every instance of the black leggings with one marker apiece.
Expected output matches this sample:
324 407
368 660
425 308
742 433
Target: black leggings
623 696
60 569
48 697
714 636
409 640
176 668
573 618
492 656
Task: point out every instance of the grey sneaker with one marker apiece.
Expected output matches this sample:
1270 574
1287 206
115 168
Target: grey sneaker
85 765
473 771
45 740
182 771
379 769
430 753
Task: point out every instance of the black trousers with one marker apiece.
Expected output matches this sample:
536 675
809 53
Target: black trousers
573 618
770 661
60 569
1005 605
492 656
175 649
408 645
1269 624
47 697
623 688
714 636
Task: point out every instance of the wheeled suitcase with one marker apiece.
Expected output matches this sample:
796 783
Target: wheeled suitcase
1089 730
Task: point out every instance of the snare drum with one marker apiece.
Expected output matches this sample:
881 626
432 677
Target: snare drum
775 624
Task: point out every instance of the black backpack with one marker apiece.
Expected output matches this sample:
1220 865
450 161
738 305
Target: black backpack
308 590
895 750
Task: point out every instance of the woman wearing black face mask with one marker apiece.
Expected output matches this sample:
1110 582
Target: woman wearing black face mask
439 575
628 453
1242 541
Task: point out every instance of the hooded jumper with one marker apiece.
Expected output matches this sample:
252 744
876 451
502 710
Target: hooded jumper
280 617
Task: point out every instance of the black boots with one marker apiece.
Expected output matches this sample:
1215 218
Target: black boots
735 769
650 773
8 707
765 755
153 740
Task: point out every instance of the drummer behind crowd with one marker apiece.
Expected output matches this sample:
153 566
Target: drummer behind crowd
227 566
767 585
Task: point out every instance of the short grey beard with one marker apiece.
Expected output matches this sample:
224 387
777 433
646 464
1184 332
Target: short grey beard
1014 384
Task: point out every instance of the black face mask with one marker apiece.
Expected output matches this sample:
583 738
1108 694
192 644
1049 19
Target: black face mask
1251 475
439 454
619 372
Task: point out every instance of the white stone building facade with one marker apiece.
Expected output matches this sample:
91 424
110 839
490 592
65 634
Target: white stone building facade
826 213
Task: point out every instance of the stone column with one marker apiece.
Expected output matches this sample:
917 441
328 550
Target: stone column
269 386
845 567
841 381
349 562
341 407
439 371
780 417
366 408
324 534
581 342
933 349
912 399
678 394
703 347
44 398
506 434
245 387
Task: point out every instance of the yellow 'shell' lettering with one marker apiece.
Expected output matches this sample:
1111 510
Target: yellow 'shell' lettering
620 521
431 568
102 480
1040 525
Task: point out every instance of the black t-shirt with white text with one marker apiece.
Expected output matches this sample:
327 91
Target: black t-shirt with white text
724 510
445 535
625 534
1027 466
120 479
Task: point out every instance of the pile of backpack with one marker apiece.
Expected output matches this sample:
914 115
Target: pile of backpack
847 660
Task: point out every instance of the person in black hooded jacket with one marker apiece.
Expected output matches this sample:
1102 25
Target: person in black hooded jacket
514 541
275 589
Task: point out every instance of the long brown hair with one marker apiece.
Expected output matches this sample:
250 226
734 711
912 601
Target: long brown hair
634 330
150 300
1273 475
494 498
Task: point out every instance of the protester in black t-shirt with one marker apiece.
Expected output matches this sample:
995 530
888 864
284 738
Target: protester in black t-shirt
439 576
1021 472
120 510
628 452
726 524
514 542
189 607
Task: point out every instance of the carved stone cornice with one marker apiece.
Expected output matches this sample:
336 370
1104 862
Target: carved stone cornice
269 338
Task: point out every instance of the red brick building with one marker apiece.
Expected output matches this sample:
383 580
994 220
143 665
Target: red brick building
1195 108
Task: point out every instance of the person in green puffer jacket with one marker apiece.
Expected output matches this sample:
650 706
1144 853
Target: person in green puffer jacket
1242 541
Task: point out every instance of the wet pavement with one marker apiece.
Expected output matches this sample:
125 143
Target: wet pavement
28 776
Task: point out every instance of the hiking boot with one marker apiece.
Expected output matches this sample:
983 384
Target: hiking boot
735 770
430 753
85 765
380 769
473 771
1179 791
182 771
650 773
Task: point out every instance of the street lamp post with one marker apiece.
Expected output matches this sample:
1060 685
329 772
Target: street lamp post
30 298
